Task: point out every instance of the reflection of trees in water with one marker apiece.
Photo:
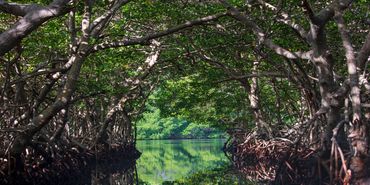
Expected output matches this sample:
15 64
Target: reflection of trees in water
222 176
185 153
171 160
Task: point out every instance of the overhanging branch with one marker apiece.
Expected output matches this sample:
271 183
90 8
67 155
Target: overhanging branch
145 40
31 20
244 19
18 9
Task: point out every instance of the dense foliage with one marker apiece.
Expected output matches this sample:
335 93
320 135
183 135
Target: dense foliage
80 74
153 126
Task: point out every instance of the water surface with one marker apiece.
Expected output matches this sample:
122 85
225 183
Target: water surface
171 160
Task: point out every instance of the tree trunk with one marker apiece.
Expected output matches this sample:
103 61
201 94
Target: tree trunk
23 139
262 128
127 125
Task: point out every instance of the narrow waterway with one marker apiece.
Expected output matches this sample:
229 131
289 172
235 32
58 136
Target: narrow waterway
184 162
163 162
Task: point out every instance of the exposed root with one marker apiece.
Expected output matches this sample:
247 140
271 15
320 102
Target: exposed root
280 161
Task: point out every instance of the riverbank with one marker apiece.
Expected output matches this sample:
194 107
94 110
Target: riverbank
65 166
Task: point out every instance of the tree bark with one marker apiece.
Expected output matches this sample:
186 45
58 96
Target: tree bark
263 129
358 133
33 17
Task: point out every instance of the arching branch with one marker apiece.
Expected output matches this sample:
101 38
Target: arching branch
33 17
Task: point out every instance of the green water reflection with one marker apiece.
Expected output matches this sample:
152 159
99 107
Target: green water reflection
171 160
